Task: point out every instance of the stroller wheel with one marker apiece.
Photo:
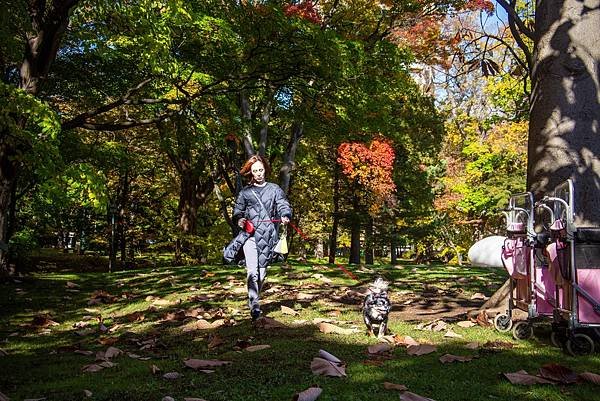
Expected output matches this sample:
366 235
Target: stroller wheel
503 322
580 344
558 339
522 330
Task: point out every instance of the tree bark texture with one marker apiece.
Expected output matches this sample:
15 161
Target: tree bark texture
285 173
564 126
48 23
336 215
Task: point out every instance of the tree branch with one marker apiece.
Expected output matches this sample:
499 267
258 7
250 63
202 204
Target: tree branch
513 16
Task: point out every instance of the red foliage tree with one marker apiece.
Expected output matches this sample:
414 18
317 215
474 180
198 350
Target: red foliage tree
370 166
305 10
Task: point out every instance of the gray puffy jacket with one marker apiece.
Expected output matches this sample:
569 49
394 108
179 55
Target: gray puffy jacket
274 206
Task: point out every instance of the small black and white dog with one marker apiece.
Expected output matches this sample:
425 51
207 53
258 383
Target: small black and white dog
376 307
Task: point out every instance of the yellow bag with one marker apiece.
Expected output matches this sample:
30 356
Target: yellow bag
282 246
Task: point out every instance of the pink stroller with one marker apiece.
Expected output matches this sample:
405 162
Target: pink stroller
574 261
527 288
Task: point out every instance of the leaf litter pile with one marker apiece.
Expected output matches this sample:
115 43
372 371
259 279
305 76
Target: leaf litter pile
184 335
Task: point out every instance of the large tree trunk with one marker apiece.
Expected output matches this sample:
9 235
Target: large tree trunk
122 220
336 215
369 249
285 173
48 23
355 233
8 177
565 111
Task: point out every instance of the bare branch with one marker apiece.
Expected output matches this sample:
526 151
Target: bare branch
513 16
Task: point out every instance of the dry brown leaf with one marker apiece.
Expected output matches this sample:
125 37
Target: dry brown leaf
310 394
524 378
330 357
590 377
558 373
254 348
404 340
288 311
394 386
498 344
43 321
136 317
3 352
193 399
71 284
92 368
200 324
447 358
408 396
421 349
87 393
451 334
379 348
83 352
269 323
473 345
35 399
108 340
483 319
215 342
112 352
107 364
154 369
479 296
172 375
320 366
204 363
466 324
329 328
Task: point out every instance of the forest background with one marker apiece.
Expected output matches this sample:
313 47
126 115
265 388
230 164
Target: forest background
392 125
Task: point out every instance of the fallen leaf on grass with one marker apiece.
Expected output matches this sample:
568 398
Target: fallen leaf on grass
288 311
71 284
524 378
254 348
408 396
193 399
111 352
310 394
379 348
204 363
215 342
436 325
479 296
39 321
320 366
154 369
473 345
83 352
483 319
447 358
172 375
92 368
330 357
87 393
498 345
451 334
3 352
466 324
35 399
108 340
269 323
404 340
3 397
329 328
421 349
590 377
558 373
394 386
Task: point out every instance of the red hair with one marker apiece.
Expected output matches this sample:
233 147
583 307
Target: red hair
246 169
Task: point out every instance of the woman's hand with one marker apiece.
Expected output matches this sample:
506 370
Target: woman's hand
241 222
285 220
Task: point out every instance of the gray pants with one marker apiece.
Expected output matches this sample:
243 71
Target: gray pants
255 278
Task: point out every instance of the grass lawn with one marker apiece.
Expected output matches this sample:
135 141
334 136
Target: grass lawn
163 316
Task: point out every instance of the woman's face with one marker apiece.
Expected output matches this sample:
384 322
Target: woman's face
258 172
